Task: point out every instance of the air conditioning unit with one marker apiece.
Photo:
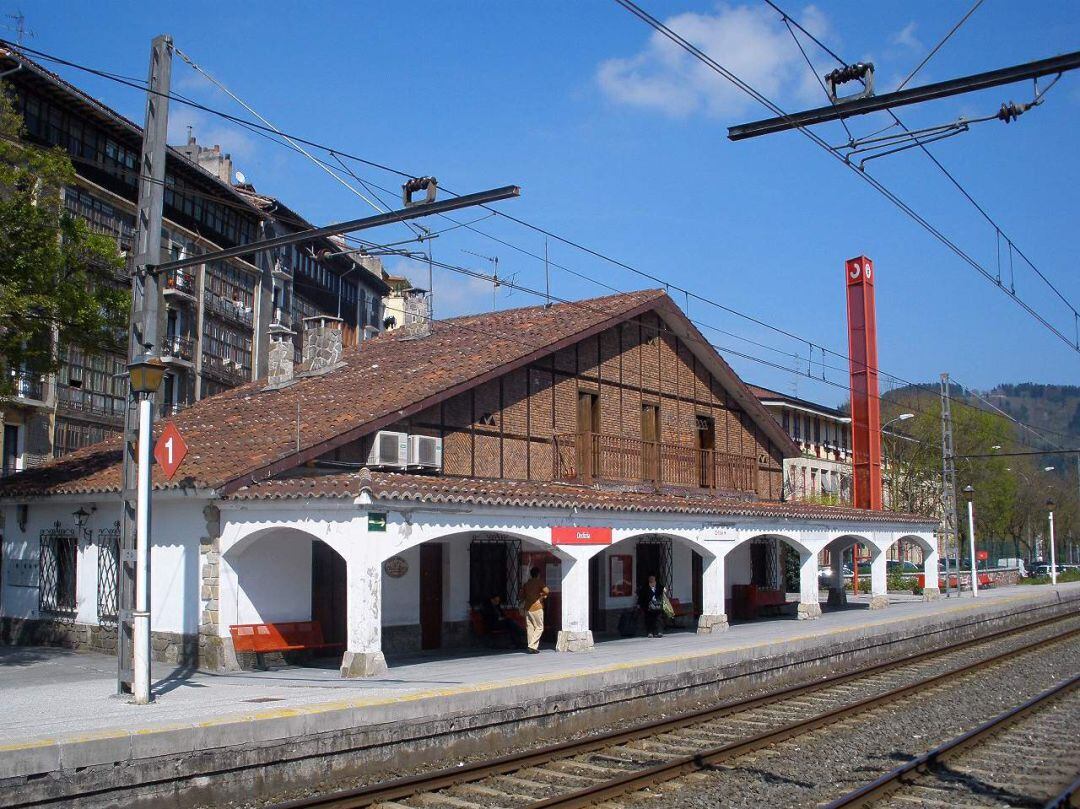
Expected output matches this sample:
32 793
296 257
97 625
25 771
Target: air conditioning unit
425 452
389 450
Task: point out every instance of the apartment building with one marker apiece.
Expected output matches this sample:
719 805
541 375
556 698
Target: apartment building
215 316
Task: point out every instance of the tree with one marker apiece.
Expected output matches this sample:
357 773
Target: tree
58 280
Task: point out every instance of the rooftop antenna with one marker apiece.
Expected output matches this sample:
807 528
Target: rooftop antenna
547 275
494 260
19 27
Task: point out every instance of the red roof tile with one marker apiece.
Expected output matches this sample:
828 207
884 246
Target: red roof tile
404 488
249 432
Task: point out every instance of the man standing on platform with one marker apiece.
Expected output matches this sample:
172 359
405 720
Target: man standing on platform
533 593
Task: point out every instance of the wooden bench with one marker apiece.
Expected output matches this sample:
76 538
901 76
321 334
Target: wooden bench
480 627
748 600
283 636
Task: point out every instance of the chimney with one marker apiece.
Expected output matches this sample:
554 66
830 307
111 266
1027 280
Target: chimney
322 344
280 356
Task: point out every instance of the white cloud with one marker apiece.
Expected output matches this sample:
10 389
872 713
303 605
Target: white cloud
750 41
906 37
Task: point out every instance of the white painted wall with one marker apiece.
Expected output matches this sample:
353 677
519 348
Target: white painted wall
401 597
174 559
270 580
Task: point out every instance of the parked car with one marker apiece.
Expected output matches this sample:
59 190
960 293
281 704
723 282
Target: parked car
825 574
905 567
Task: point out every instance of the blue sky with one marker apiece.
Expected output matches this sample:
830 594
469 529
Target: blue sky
621 145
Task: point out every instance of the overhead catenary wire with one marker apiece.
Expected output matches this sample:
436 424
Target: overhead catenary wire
940 166
268 132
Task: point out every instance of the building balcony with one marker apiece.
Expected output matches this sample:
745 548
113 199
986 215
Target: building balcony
224 370
178 349
80 402
180 285
121 229
28 388
237 313
589 457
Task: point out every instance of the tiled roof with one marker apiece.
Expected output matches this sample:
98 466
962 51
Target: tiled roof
251 433
391 487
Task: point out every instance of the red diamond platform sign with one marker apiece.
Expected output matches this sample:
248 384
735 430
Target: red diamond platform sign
170 450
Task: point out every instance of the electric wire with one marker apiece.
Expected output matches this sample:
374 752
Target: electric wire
941 167
268 132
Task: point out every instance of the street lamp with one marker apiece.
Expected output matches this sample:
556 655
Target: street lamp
1053 556
969 495
146 372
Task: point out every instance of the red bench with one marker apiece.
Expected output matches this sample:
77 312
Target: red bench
681 610
285 636
748 600
480 627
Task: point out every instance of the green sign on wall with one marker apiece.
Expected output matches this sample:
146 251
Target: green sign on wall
376 521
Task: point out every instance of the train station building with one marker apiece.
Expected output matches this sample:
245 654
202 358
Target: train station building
386 490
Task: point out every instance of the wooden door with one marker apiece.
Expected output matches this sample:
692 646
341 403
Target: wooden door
588 423
650 442
594 593
697 569
329 592
431 595
706 443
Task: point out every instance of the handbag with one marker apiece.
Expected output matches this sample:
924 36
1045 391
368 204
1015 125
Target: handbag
665 605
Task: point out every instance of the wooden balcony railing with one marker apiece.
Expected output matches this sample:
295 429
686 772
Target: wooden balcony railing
586 457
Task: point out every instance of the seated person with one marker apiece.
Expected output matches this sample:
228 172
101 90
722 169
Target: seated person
495 619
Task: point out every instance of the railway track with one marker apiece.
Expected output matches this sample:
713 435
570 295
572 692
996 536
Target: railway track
599 768
1023 757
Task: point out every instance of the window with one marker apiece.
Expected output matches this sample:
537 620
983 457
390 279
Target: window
797 424
787 422
817 430
108 574
72 435
57 563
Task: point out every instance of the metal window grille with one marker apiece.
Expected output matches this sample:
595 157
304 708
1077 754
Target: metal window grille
763 567
663 544
108 574
57 559
494 569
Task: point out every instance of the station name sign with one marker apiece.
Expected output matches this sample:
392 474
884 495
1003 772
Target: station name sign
575 535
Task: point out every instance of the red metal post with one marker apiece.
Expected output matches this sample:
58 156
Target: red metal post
865 404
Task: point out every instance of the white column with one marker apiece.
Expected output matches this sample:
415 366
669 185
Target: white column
809 608
363 656
879 588
931 588
713 594
575 635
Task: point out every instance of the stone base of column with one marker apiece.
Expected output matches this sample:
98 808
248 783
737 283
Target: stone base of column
362 664
573 641
931 594
879 602
707 624
808 611
837 597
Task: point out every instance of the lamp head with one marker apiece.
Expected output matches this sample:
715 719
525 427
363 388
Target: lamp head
1049 503
80 517
146 373
905 416
969 492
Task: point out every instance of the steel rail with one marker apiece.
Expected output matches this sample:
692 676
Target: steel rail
683 765
1070 796
474 771
896 779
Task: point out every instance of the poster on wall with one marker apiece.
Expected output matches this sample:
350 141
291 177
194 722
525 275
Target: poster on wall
621 575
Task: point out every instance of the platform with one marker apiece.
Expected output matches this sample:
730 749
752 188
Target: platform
60 712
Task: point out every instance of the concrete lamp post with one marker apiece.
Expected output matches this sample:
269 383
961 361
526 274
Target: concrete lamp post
146 373
969 495
1053 554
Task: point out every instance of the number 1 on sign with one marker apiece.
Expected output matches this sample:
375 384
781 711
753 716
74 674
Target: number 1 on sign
168 448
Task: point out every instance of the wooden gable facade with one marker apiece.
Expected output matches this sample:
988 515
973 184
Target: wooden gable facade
632 405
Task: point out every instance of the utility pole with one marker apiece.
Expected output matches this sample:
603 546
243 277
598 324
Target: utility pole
143 330
948 484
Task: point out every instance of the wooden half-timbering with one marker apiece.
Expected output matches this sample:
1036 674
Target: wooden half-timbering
653 413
